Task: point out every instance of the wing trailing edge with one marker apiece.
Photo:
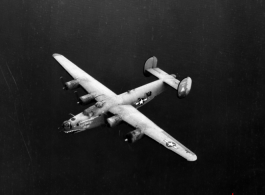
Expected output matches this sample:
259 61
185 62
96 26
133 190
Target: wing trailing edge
91 85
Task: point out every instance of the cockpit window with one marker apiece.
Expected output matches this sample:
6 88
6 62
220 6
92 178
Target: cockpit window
88 113
72 119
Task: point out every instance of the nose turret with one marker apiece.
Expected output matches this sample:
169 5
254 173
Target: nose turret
67 125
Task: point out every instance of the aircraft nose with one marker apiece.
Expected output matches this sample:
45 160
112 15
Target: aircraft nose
66 125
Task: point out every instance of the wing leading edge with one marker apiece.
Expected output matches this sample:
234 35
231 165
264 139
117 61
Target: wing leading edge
135 118
90 84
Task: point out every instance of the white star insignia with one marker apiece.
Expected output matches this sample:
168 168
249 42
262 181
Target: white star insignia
140 101
170 144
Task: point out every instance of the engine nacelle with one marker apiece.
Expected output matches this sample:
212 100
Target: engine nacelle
114 120
71 85
184 87
133 136
85 99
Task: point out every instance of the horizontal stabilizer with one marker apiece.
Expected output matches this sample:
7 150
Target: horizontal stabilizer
174 83
183 87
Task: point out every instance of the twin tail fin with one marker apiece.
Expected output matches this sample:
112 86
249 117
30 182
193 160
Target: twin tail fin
183 87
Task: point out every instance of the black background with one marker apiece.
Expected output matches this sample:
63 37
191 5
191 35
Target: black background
220 44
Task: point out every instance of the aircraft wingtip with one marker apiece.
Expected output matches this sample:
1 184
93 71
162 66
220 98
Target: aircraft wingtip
193 158
56 54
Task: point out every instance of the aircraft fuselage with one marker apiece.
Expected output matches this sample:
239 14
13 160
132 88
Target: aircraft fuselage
97 114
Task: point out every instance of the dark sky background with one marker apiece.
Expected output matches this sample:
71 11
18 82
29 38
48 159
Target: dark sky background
220 44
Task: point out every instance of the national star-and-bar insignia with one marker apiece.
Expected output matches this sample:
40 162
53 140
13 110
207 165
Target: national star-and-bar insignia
170 144
140 101
144 99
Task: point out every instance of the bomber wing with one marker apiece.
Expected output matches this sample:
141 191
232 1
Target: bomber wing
90 84
135 118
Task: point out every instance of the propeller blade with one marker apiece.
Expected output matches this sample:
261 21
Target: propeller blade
77 97
63 83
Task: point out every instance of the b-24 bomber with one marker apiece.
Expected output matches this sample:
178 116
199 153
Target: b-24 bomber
111 109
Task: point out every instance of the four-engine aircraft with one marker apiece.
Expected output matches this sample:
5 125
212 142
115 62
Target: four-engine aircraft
111 109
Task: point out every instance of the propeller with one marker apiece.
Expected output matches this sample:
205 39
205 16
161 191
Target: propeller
78 99
62 80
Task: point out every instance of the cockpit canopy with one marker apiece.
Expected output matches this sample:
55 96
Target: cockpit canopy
94 110
88 112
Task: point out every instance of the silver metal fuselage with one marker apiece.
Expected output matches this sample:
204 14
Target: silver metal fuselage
97 114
